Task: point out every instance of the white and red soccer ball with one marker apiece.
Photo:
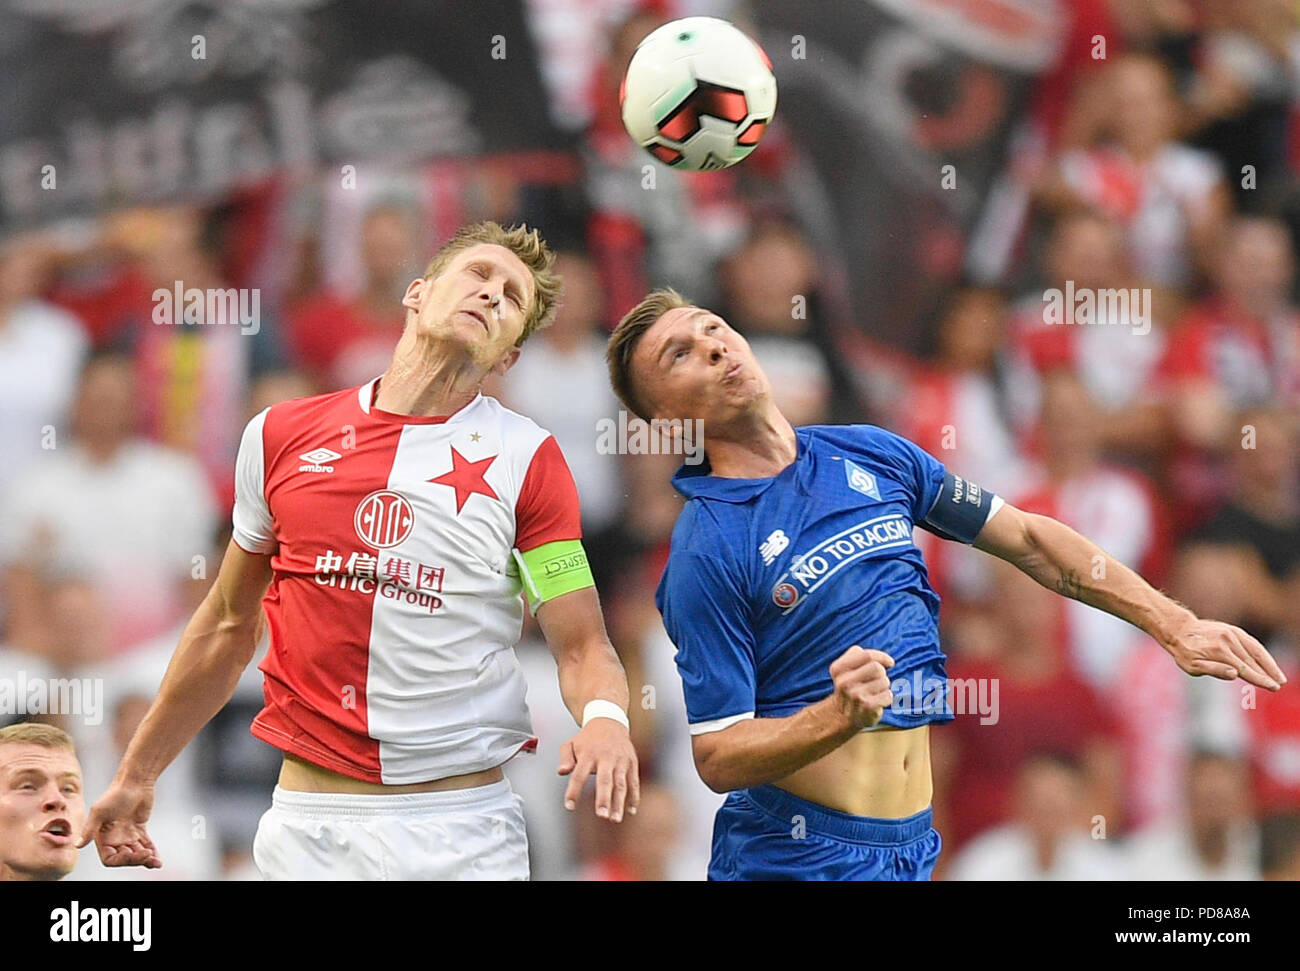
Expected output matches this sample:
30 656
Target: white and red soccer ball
698 94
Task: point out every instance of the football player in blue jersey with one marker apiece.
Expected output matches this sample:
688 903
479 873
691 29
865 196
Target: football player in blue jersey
805 626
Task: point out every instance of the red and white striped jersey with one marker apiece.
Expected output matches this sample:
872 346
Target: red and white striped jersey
395 605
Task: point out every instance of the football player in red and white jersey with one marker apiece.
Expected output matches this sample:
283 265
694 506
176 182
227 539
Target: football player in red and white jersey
388 532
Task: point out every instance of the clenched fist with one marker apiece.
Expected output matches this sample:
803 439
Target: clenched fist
862 685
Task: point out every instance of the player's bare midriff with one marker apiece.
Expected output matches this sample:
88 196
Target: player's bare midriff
883 773
299 776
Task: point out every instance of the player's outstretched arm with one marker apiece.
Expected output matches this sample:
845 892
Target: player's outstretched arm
214 649
589 670
761 750
1062 560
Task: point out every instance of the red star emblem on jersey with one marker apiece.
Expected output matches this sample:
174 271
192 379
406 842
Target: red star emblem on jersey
466 478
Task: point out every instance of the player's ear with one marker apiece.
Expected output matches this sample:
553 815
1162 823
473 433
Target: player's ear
411 299
506 363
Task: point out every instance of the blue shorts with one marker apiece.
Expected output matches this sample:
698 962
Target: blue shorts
764 833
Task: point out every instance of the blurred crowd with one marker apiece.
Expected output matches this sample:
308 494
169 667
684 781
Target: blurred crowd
1166 428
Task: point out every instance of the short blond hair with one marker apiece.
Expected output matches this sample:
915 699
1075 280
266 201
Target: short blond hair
36 733
525 243
628 333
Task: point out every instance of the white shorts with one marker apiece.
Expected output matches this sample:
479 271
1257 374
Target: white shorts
461 834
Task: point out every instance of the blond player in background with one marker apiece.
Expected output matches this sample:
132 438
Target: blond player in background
42 807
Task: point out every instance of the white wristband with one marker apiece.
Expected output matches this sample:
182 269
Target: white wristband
600 708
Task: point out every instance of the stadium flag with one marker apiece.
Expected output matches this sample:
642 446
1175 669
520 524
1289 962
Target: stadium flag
116 102
904 110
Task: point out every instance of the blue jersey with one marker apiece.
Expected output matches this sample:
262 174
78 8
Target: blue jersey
770 580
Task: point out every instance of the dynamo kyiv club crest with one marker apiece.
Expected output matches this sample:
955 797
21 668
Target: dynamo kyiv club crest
861 480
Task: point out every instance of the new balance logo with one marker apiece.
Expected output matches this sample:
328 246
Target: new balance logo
772 547
316 460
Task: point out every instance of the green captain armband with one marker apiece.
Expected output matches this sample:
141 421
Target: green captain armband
553 569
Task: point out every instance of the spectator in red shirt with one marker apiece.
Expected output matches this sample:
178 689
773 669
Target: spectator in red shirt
191 371
1273 723
341 340
1259 526
1041 705
1237 349
1171 198
1115 355
1116 507
1274 728
957 408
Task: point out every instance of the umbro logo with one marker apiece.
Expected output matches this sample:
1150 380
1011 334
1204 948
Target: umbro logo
316 460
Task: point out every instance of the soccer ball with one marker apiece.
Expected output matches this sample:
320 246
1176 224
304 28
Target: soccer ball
698 94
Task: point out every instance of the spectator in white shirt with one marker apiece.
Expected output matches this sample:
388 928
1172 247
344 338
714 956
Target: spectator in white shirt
1172 199
41 348
1052 837
561 382
133 519
1218 839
